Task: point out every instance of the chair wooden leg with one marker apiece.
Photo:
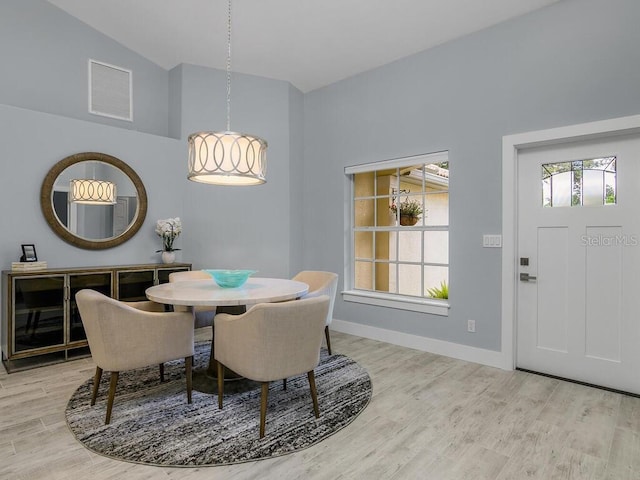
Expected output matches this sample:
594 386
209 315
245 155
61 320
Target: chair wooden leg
96 384
326 334
112 394
314 393
263 407
188 362
161 372
284 383
220 384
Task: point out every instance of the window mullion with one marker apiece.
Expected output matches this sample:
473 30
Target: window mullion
424 206
374 266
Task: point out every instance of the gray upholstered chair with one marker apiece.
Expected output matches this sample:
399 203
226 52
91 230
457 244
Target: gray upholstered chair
202 316
271 341
123 337
321 283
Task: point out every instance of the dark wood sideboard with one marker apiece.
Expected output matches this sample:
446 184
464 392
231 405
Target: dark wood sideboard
40 319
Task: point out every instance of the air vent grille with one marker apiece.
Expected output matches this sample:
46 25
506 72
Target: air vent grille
110 91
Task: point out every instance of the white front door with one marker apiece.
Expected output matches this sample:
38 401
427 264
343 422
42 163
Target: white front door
579 232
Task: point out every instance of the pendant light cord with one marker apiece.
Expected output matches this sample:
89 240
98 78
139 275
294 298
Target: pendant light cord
229 67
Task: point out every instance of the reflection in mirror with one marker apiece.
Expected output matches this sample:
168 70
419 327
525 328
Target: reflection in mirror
92 192
95 219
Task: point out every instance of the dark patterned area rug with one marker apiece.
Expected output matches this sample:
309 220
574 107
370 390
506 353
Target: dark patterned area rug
152 423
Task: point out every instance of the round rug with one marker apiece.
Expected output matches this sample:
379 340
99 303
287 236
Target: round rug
152 423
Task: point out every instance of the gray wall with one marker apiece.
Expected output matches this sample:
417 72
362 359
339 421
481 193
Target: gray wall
45 54
175 102
575 61
32 142
223 227
238 227
296 172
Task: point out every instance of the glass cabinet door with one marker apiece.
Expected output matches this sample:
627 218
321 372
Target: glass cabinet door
38 312
132 284
101 282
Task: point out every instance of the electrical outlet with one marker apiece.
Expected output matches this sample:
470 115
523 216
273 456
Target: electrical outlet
471 326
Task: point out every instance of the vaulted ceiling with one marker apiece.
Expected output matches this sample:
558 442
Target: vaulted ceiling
310 43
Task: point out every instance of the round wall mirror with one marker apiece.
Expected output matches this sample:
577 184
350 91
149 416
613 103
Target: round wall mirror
93 200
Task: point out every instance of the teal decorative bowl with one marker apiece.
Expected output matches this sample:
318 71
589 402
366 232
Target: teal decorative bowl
230 278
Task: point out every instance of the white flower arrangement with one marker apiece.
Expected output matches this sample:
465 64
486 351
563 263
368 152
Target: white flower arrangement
169 230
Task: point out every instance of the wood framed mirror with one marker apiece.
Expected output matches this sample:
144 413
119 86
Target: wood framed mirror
93 200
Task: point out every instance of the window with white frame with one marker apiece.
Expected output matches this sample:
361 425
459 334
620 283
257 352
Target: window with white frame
399 228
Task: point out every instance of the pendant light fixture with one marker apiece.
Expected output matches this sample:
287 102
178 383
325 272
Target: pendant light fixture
227 158
89 191
92 192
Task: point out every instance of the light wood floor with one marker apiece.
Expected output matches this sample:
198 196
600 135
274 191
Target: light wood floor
430 417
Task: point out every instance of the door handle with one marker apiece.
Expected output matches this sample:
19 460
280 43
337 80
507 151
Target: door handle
525 277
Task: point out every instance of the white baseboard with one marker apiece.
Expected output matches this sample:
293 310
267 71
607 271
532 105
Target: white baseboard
424 344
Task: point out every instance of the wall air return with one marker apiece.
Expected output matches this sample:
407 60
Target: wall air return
110 91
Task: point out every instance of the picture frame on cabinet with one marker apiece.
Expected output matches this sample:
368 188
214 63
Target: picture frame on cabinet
29 253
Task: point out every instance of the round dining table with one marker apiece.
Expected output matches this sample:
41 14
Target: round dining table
206 292
198 293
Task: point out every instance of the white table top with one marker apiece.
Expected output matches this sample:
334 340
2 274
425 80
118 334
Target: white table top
196 293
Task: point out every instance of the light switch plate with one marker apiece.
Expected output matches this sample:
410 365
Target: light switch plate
492 241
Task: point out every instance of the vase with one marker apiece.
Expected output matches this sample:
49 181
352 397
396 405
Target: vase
168 257
406 220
